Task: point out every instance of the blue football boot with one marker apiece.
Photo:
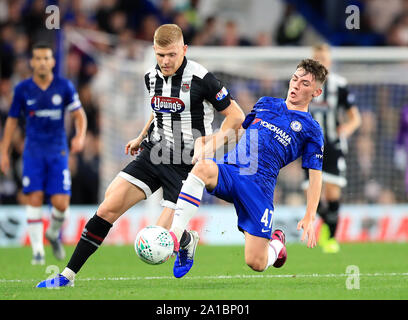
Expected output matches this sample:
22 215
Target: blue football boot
185 256
58 281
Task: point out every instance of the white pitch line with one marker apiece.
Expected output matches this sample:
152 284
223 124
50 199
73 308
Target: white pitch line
238 276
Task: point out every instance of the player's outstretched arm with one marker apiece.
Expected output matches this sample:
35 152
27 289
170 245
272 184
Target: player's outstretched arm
313 196
10 127
81 123
133 145
229 131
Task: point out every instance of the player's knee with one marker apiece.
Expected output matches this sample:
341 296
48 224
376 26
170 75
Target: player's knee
107 213
203 169
61 203
256 263
35 199
62 207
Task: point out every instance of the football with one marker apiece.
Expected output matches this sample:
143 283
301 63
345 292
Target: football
154 245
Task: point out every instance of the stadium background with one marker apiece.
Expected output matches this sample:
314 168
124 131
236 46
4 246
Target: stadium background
104 48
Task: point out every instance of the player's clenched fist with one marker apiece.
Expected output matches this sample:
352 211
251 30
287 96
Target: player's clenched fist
133 146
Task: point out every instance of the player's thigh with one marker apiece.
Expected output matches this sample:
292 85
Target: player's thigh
254 208
58 177
34 172
120 197
224 185
256 251
142 173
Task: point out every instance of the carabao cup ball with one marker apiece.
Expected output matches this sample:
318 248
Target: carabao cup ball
154 245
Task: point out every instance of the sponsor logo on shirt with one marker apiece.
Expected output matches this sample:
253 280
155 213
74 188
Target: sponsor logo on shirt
54 114
320 156
167 104
280 135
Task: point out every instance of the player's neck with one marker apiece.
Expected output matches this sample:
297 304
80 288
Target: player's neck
43 82
303 108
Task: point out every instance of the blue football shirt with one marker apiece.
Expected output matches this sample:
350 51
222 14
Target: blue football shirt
44 111
274 137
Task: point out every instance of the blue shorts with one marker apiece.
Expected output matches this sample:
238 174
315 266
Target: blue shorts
46 171
254 210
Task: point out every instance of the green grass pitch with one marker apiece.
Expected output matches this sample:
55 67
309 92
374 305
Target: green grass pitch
219 273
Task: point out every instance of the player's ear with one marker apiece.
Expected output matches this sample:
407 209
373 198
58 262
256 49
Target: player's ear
317 92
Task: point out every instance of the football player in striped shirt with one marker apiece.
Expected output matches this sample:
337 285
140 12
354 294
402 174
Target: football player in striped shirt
283 130
339 117
42 100
183 96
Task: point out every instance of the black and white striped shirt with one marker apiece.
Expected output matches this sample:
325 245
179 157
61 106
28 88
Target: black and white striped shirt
183 106
328 108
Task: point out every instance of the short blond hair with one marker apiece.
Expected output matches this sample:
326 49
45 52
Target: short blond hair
321 47
168 34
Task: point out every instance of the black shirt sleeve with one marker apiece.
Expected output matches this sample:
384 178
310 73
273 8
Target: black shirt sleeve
215 92
346 99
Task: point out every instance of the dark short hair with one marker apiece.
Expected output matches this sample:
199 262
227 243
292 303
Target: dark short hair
314 67
42 45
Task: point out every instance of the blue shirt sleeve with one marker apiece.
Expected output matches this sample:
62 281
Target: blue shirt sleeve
312 157
72 101
251 116
17 104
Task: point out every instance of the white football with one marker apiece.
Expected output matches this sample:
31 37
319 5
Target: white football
154 245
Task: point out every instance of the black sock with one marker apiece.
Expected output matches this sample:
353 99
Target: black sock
322 210
185 239
332 216
92 237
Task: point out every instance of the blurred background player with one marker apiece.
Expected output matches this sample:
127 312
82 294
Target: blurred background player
183 96
339 117
43 100
284 132
401 147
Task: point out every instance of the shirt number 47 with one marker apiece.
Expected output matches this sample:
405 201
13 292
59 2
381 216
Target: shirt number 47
267 219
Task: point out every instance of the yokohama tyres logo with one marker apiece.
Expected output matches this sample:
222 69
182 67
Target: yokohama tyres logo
167 104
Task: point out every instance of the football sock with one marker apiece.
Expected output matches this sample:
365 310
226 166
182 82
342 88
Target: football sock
57 219
275 246
332 216
69 274
35 228
322 209
187 204
92 237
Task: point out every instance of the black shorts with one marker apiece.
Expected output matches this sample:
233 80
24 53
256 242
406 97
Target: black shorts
334 167
149 177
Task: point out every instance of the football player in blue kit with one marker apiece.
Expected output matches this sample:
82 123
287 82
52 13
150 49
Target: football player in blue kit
283 130
42 100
